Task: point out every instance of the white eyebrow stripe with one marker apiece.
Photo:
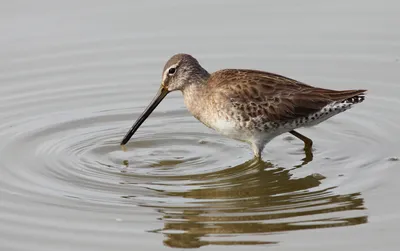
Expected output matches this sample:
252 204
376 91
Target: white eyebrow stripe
166 71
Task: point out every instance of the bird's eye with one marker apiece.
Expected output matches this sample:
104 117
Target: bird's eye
171 71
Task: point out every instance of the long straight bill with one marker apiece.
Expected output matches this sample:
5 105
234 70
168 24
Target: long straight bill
150 108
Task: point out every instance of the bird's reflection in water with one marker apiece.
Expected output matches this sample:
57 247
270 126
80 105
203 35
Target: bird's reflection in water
245 204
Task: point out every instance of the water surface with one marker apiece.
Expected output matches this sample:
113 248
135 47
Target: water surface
74 76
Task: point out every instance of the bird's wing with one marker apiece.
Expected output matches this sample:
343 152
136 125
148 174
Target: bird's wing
273 96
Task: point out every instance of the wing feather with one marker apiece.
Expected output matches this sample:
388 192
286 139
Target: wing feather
273 96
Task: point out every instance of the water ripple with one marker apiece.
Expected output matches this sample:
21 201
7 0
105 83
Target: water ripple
61 156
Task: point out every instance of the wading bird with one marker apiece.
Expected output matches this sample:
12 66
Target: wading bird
248 105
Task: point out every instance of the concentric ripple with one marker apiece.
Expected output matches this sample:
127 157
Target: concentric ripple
65 180
176 172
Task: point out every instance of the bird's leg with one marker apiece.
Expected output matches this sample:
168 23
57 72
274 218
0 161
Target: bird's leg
307 146
307 141
257 148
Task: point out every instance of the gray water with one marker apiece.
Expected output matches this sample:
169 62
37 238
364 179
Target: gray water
75 75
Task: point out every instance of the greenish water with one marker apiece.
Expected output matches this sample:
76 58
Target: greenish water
75 75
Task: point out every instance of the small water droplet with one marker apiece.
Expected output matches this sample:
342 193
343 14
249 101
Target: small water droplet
202 141
393 159
318 176
118 219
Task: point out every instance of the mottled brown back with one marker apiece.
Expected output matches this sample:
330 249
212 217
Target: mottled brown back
259 93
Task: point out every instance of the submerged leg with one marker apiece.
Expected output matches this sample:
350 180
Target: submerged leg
307 146
257 148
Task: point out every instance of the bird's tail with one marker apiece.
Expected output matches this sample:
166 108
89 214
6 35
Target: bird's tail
351 96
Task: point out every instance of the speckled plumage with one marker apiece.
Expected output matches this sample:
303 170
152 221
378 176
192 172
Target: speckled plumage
250 105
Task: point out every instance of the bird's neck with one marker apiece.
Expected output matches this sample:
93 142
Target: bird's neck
195 96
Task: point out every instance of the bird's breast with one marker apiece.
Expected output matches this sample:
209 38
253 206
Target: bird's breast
214 112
